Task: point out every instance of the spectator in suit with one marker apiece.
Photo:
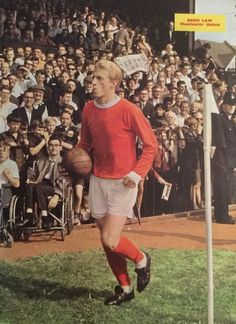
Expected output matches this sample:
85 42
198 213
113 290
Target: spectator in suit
143 98
46 181
169 35
26 111
39 104
219 90
224 158
148 109
40 78
130 87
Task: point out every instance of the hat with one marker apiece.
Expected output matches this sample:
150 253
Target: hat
229 98
88 79
38 87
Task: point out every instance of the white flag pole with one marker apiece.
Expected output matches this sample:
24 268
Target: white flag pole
209 107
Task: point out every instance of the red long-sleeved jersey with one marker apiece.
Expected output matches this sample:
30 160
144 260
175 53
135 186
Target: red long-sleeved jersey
111 135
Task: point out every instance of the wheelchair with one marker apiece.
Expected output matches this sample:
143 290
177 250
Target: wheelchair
5 199
60 218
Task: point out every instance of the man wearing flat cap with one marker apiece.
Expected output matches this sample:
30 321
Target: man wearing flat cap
224 158
39 104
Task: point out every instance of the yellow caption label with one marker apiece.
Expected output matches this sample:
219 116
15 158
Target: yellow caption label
200 23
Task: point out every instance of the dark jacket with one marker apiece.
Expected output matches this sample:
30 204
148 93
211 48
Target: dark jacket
218 140
229 129
19 151
56 179
21 112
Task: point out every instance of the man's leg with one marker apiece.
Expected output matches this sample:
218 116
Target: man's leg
42 192
78 200
29 200
118 265
29 196
117 262
112 239
220 194
118 248
108 200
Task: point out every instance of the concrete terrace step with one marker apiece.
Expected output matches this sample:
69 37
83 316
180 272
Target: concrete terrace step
192 214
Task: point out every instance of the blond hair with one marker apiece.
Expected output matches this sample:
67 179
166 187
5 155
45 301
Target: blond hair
114 71
50 119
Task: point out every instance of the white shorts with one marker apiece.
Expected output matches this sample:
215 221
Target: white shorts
111 196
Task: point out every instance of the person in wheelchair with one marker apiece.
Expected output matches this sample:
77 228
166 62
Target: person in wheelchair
9 173
46 181
9 179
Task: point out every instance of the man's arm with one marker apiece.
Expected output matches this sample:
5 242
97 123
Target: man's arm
143 129
14 182
31 80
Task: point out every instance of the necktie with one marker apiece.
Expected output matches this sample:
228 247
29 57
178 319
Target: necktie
49 170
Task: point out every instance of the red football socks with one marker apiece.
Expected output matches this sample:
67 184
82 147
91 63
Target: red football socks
117 259
128 250
118 266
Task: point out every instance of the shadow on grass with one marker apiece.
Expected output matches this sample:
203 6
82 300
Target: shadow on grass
46 289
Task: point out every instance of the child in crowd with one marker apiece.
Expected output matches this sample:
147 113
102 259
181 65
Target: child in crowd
8 168
18 143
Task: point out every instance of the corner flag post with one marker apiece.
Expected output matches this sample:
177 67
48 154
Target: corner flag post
209 107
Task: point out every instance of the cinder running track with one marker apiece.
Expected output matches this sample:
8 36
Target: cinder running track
155 232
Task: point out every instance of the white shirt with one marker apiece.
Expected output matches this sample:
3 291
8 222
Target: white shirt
181 119
22 85
8 164
3 125
187 81
7 108
29 114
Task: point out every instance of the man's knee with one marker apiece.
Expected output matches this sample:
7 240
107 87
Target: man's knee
109 241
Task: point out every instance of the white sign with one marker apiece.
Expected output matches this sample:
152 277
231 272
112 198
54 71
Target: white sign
133 63
166 191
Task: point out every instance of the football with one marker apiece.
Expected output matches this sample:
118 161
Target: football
77 162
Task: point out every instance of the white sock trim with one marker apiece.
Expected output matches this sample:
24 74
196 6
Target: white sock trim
127 289
29 210
142 263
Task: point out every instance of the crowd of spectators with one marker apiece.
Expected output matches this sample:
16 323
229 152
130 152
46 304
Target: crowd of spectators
47 59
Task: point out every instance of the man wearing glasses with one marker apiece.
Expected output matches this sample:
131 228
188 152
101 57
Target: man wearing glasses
71 71
6 107
45 182
27 112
